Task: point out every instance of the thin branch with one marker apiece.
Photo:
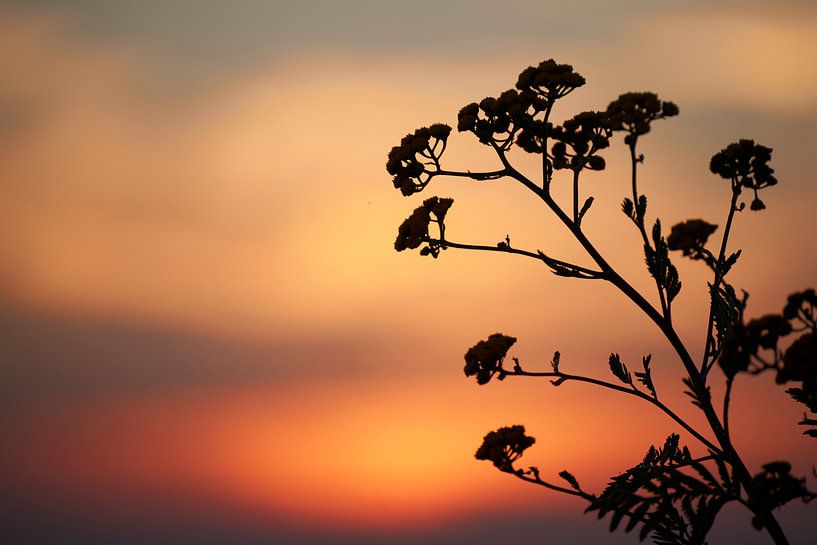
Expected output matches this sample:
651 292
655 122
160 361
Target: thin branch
535 479
709 350
634 160
563 377
576 173
697 378
547 166
539 256
478 176
726 398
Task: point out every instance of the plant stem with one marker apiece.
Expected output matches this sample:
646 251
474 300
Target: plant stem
576 195
590 274
726 398
547 167
563 490
604 384
706 364
479 176
698 379
665 308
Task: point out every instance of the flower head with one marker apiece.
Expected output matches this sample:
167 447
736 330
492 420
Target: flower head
772 488
745 164
585 134
407 162
484 359
690 237
737 349
633 112
800 303
504 446
743 341
532 137
496 120
800 360
549 80
413 232
767 330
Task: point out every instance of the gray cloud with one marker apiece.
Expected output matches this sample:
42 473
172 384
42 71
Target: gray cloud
208 36
149 520
55 357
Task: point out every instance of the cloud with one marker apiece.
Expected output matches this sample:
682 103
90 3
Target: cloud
258 203
69 358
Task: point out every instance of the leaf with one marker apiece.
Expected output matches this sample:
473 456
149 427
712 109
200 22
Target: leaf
585 208
619 369
661 495
672 282
729 263
659 264
637 516
645 378
656 232
628 208
697 394
555 361
564 269
641 209
615 520
701 470
723 473
726 309
567 476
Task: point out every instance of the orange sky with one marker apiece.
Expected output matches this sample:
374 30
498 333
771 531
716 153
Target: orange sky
200 295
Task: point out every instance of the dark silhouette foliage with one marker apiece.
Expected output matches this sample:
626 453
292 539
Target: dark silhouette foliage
671 496
504 446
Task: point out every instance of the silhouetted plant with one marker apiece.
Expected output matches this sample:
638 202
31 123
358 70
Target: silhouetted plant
671 495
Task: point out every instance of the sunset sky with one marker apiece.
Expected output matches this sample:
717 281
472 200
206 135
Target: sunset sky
206 335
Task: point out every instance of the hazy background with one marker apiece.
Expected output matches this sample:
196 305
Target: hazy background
206 336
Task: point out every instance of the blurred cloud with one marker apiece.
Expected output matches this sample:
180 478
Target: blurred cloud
123 201
190 40
59 359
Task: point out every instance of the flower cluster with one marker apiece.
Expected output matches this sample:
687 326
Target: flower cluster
413 232
549 80
798 362
633 113
745 341
774 487
802 306
504 446
533 136
585 134
407 162
501 117
800 359
736 350
739 351
484 359
746 164
498 120
690 237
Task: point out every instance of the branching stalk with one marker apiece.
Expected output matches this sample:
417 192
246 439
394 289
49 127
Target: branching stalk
709 349
634 160
630 391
